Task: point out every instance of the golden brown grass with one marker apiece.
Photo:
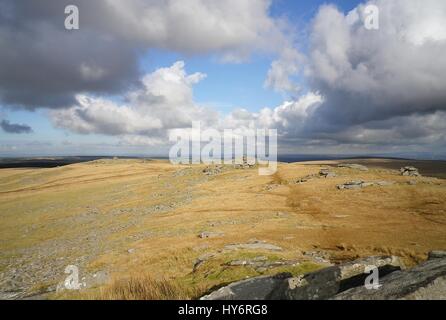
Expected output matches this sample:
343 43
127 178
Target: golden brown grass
145 287
37 206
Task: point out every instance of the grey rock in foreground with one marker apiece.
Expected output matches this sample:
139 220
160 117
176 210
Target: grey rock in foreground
427 281
346 282
258 288
437 254
325 283
321 284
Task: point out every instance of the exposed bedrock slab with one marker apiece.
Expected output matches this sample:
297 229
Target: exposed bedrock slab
258 288
325 283
426 281
322 284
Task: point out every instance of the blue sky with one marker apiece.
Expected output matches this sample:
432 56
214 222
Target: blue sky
226 87
229 86
322 116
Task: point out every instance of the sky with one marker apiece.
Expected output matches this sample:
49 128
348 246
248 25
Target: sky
136 70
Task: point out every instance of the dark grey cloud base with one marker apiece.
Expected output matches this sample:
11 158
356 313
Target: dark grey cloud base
9 127
45 65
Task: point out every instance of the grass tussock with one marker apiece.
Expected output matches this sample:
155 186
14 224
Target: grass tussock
145 287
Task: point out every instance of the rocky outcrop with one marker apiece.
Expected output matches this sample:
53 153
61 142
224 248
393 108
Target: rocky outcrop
426 281
213 170
325 283
358 184
410 172
326 173
351 185
437 254
253 245
258 288
346 281
209 234
321 284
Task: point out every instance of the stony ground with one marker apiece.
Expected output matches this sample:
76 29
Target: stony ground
207 226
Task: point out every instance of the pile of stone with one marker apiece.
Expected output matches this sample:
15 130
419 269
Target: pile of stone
213 170
347 281
409 171
305 179
358 184
209 234
246 164
326 173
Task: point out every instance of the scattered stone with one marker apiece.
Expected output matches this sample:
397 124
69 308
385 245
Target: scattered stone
358 184
341 216
253 245
208 234
318 256
412 182
213 170
367 184
261 263
409 171
351 185
302 180
353 166
305 179
131 251
270 187
384 183
281 214
246 163
326 173
202 259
